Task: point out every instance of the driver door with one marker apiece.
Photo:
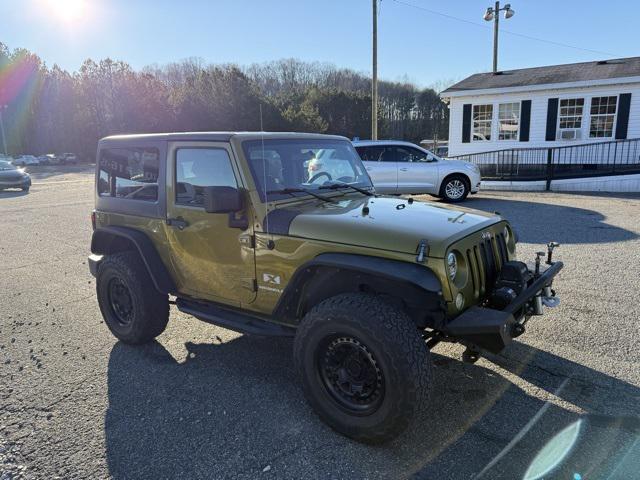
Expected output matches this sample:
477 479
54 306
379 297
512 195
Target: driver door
211 259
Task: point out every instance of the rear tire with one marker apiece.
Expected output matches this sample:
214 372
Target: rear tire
455 188
132 308
363 365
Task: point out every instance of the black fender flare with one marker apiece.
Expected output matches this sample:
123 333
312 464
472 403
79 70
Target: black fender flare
329 274
113 239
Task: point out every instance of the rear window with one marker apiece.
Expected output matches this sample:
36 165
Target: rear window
130 173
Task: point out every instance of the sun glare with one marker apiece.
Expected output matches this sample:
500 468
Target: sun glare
67 10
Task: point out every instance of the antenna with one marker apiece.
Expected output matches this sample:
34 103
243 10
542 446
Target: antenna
264 182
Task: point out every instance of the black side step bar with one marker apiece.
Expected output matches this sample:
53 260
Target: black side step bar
233 320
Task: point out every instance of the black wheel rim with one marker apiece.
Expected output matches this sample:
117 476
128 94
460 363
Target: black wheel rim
351 374
120 301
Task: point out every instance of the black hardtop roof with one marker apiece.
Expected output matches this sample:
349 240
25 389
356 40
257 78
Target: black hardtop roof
214 136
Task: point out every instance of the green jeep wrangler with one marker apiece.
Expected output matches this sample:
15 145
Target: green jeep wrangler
283 234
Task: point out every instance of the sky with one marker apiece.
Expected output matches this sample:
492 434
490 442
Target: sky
419 40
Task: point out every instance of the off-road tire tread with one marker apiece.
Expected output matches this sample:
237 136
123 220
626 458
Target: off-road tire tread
152 307
410 357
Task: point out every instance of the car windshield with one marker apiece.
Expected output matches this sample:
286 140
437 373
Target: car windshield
278 166
6 166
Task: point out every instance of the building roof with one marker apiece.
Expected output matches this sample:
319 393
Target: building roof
571 72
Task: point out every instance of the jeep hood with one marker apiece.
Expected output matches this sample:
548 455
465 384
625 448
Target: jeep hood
386 223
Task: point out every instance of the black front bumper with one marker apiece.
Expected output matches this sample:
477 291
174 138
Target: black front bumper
492 330
24 182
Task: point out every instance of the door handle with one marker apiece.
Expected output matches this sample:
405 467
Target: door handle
368 168
404 169
179 223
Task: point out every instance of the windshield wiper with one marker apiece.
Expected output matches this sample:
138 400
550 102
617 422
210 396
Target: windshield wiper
337 185
291 192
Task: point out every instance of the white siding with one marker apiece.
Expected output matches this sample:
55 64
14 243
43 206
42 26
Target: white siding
538 126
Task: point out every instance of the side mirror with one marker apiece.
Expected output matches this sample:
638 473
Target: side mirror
222 200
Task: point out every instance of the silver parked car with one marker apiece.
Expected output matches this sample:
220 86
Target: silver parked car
404 168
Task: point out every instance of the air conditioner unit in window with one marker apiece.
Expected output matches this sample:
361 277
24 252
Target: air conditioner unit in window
570 134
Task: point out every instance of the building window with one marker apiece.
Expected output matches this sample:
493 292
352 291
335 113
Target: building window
482 118
508 121
570 113
603 115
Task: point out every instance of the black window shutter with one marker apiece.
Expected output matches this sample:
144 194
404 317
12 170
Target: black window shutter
466 123
525 120
552 119
624 105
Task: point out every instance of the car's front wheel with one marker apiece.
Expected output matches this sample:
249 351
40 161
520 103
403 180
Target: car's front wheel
455 188
132 308
364 367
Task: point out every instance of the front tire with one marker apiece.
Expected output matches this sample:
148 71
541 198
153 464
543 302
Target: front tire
132 308
363 365
455 188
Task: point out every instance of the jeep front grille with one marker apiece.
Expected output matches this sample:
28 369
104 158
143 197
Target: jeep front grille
485 260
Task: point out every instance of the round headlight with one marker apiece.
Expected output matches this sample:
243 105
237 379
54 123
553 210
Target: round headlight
452 265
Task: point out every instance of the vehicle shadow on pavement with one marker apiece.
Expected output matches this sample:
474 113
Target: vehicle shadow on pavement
534 221
12 193
235 409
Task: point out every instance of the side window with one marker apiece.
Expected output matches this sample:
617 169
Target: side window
369 154
388 154
197 168
130 173
411 155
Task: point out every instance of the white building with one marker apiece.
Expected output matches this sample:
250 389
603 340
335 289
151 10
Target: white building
545 106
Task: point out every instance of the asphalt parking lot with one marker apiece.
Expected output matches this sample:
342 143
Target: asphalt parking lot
205 402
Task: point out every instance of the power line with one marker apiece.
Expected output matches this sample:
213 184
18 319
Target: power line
477 24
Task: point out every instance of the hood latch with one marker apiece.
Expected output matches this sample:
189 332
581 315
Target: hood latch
422 250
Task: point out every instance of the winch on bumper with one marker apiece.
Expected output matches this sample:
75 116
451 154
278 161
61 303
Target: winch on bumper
518 294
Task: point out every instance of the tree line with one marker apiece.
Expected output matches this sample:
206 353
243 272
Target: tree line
51 110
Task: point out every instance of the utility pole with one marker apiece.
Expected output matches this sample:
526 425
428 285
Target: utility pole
374 80
494 14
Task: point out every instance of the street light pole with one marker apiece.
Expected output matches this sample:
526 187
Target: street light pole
494 14
495 38
374 79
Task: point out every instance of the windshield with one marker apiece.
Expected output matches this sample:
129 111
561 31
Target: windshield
303 164
6 166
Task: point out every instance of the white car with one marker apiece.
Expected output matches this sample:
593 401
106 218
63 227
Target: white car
397 167
25 160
